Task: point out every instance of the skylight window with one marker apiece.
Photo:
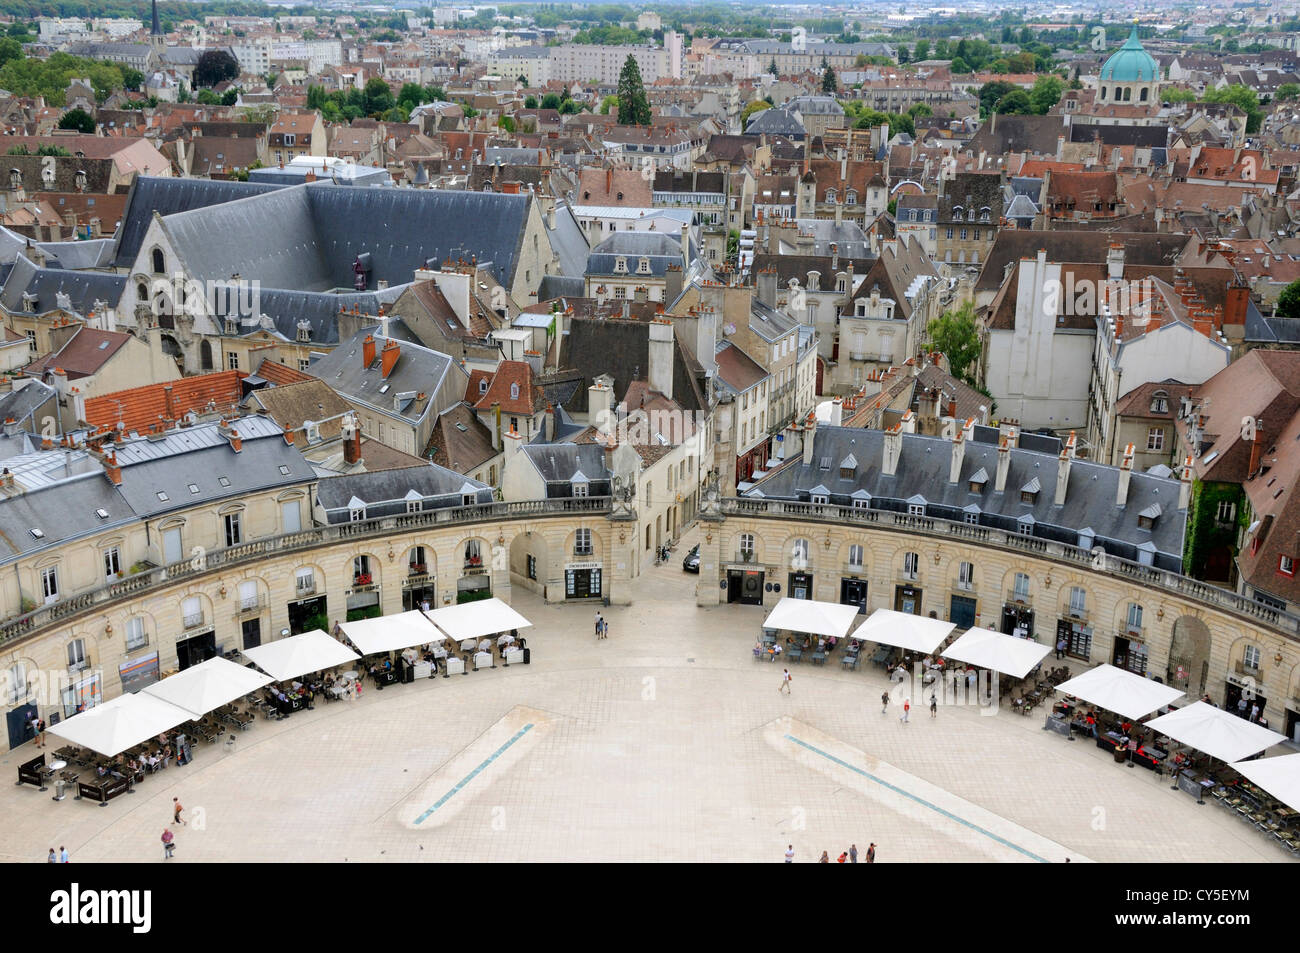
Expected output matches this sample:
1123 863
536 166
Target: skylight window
163 497
102 513
284 469
194 488
224 481
384 389
36 534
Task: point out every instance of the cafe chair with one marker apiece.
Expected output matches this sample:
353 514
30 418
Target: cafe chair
230 744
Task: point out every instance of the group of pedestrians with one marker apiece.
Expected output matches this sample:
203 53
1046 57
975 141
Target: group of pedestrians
59 857
849 856
907 706
602 626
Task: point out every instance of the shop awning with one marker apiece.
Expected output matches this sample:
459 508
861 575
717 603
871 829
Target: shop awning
122 723
912 632
1218 733
391 633
1279 776
471 620
297 655
208 686
1119 691
1007 654
815 618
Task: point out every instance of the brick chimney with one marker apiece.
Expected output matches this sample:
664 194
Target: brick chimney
389 356
351 433
169 407
368 351
958 455
893 450
1004 464
1125 475
1063 470
111 469
236 441
1236 298
809 432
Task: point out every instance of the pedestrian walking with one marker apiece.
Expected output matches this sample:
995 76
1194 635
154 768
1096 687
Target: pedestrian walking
168 842
1241 707
1254 712
604 628
1060 648
871 853
599 620
907 710
176 811
826 858
53 858
63 854
853 853
934 705
40 732
789 854
785 681
884 701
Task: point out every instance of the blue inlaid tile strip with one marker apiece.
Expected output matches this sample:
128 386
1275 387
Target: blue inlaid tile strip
919 800
475 773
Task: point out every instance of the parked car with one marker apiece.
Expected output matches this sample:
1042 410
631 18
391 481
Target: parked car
692 561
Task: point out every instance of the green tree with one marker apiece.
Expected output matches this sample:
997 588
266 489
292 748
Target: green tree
1242 96
10 49
607 104
917 110
756 106
1046 93
77 119
506 123
521 79
956 335
230 97
378 96
316 97
633 106
771 67
550 101
530 102
132 79
1016 102
412 95
215 66
922 50
830 84
1287 91
991 93
1288 302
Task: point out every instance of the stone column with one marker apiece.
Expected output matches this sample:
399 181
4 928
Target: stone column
621 563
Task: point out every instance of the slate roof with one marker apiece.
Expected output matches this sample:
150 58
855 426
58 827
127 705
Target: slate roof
308 237
83 288
429 483
622 350
1074 245
167 196
558 462
418 370
923 470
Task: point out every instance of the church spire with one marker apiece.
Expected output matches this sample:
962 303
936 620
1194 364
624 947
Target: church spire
155 28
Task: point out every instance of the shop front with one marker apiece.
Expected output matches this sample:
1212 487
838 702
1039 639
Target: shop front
853 592
138 673
801 585
195 649
417 591
907 599
1236 689
582 581
363 604
308 614
744 586
1077 636
1018 620
961 612
1130 655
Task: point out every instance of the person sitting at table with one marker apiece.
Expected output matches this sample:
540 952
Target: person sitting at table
776 648
100 770
388 665
1090 719
807 642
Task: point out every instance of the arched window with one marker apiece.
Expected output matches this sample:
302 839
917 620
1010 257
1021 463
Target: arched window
1134 620
205 355
1143 96
159 265
142 292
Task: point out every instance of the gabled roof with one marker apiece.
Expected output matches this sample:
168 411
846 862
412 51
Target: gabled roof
85 353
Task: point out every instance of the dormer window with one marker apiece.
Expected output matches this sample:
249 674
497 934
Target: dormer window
1160 402
483 386
830 195
1029 492
514 390
956 211
848 467
851 197
1147 518
643 266
620 266
820 498
1286 565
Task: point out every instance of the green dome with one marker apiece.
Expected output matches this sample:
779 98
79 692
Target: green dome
1130 63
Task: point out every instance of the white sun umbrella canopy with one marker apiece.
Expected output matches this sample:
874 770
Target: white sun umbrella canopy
299 654
816 618
1119 691
122 723
207 686
470 620
1006 654
1216 732
391 633
906 631
1279 776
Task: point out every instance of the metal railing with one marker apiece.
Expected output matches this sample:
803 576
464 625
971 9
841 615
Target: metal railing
260 549
1149 576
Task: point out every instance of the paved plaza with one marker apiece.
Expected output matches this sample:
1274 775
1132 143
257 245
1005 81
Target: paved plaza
666 742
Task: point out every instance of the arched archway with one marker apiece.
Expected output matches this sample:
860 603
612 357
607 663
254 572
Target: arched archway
1189 656
475 582
205 356
172 348
363 598
529 562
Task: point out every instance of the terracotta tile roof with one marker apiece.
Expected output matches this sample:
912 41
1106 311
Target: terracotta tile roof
460 441
511 386
280 374
85 353
141 408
